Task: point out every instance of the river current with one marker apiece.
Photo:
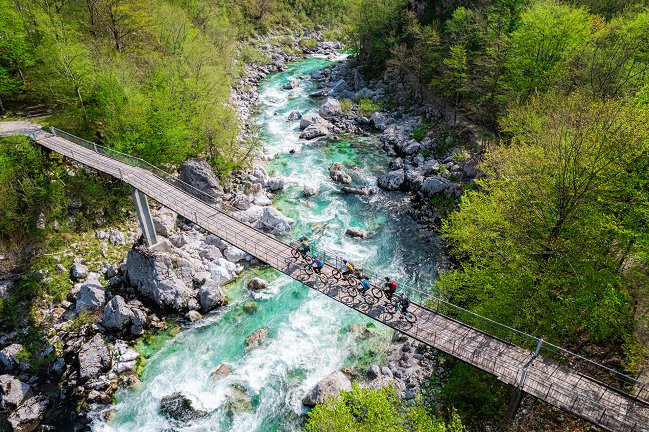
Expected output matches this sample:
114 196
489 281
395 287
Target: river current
308 332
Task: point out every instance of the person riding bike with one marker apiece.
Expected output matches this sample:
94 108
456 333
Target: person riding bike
390 287
404 303
303 246
317 264
365 284
349 268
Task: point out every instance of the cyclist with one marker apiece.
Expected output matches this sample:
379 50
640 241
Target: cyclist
404 303
303 246
390 287
317 264
349 268
365 285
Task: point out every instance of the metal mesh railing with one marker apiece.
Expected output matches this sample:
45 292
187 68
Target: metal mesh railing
234 234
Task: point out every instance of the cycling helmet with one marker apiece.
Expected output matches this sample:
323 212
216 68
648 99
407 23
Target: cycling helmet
387 279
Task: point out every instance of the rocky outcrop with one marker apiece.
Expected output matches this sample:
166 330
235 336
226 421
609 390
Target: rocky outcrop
179 407
313 119
337 174
331 385
199 174
12 392
310 190
121 316
294 115
392 181
358 190
9 357
94 358
91 296
256 338
314 131
257 284
272 220
357 232
275 184
330 108
28 415
210 296
164 222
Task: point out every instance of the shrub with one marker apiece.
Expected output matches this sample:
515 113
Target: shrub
308 43
346 106
419 133
367 107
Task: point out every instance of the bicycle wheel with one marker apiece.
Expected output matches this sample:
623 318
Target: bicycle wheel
377 293
351 291
370 299
410 317
308 269
390 308
296 253
352 281
336 274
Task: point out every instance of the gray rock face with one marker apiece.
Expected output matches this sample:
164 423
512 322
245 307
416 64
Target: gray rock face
9 357
90 297
314 131
210 253
275 184
199 174
330 108
357 232
210 296
257 337
164 222
256 284
392 181
94 358
79 271
331 385
274 221
179 407
222 271
234 254
435 185
338 175
157 277
309 119
28 415
5 288
310 191
378 121
117 314
294 115
12 392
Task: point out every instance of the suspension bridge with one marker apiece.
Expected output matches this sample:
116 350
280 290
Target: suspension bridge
600 395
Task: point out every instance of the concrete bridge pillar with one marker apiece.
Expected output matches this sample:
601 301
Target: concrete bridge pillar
144 216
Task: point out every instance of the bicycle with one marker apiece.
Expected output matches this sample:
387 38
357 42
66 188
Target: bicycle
394 306
295 252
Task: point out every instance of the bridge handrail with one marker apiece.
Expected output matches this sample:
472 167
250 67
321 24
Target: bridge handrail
541 344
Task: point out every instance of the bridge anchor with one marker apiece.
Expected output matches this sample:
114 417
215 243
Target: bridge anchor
144 216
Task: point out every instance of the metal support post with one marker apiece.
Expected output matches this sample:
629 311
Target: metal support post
144 216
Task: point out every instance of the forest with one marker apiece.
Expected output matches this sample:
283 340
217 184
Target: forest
552 240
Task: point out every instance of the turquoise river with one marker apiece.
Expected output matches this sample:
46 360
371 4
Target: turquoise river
308 332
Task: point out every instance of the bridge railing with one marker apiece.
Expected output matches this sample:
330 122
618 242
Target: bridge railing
594 370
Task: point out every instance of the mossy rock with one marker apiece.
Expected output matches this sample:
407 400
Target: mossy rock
250 307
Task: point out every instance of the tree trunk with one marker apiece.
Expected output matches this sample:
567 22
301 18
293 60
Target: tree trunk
2 108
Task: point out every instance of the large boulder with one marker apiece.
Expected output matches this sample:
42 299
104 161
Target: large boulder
9 360
275 184
310 190
257 284
364 190
28 415
314 131
338 175
238 400
160 276
294 115
291 84
435 185
392 181
357 232
331 385
164 222
309 119
91 296
330 108
177 406
94 358
222 271
210 296
79 271
274 221
257 337
234 254
119 315
12 392
222 370
199 174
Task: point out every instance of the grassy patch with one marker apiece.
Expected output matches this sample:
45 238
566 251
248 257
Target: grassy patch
346 106
419 133
367 107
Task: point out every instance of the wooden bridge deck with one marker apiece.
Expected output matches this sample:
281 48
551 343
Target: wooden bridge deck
560 386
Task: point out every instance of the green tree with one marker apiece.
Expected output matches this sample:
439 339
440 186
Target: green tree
15 53
455 75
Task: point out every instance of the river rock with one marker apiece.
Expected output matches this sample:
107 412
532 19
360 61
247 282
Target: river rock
358 190
199 174
119 315
94 358
250 307
436 185
234 254
222 271
257 337
261 199
28 415
294 115
275 184
164 222
291 84
179 407
159 276
392 181
257 284
238 400
314 131
357 232
210 296
330 108
193 316
309 119
331 385
222 370
79 271
274 221
12 391
90 297
338 175
310 190
9 357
